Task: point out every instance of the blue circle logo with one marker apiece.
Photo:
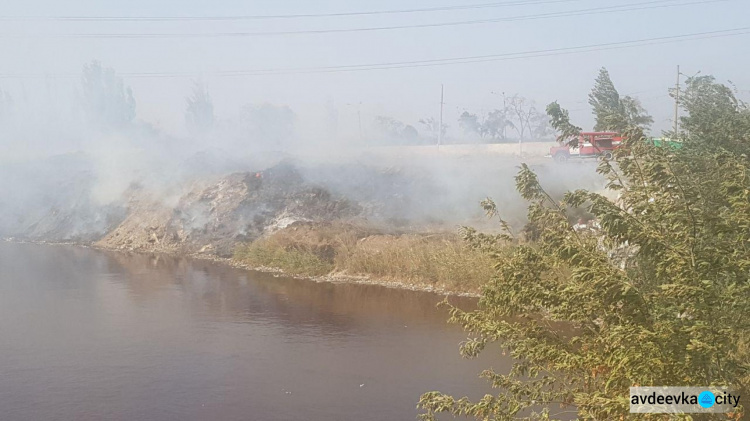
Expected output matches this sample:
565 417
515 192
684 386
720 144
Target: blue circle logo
706 399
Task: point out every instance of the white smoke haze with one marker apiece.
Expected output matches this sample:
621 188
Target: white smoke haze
74 153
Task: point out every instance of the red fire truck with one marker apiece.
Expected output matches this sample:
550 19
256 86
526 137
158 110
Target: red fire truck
590 145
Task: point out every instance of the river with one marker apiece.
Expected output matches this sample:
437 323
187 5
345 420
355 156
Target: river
93 335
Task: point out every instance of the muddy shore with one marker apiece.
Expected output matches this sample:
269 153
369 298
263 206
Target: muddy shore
331 278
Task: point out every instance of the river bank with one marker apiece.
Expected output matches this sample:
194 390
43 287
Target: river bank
438 261
335 275
278 221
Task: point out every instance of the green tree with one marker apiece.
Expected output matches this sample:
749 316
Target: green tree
613 112
199 114
714 115
658 296
559 119
108 103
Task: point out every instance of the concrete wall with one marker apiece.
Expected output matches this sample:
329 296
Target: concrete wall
530 149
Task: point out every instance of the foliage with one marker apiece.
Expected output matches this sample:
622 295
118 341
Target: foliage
292 260
714 115
491 127
560 121
540 126
441 261
613 112
495 124
199 114
524 112
658 297
470 123
108 103
436 260
395 131
518 113
432 126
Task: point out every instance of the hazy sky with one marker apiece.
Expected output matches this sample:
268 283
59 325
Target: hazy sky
32 47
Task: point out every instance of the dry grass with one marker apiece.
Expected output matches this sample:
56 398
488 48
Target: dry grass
294 261
441 261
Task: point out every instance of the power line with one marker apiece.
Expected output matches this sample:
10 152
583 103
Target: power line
628 94
290 16
644 91
654 4
474 59
654 97
425 63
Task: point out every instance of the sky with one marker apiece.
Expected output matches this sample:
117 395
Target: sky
39 53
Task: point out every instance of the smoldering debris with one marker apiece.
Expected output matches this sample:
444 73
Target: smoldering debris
213 218
205 210
52 200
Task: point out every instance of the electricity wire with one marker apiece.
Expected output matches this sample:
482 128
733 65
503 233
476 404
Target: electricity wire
654 4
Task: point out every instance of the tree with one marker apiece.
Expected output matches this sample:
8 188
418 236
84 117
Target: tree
714 114
635 114
523 111
613 112
559 119
410 134
492 126
268 125
108 103
470 123
432 126
658 296
396 131
518 113
540 126
495 123
389 126
199 114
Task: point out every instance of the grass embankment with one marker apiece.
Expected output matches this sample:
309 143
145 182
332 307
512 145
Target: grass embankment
440 261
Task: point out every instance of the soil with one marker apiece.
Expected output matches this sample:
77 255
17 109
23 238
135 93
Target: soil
214 218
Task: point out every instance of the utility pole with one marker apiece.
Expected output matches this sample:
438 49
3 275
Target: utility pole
505 114
440 124
677 103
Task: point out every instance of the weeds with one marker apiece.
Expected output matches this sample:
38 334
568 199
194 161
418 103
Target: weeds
294 261
442 261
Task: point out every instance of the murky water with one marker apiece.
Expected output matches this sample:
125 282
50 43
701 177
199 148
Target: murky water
90 335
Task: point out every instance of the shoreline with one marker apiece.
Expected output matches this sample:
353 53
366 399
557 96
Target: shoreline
335 278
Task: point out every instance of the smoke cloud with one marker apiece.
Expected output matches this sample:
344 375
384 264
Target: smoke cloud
72 153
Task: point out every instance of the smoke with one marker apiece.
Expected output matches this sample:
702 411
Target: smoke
72 155
440 188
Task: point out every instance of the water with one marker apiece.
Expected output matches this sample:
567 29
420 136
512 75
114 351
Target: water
91 335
